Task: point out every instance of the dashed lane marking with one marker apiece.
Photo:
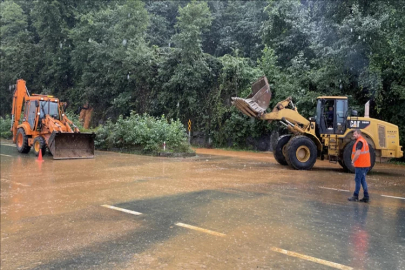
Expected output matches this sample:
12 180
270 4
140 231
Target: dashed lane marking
5 155
14 183
312 259
6 144
393 197
122 210
345 190
199 229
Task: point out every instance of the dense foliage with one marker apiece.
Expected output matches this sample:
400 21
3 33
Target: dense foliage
186 59
5 125
143 132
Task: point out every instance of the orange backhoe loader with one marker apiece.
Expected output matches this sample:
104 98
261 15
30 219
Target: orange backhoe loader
45 125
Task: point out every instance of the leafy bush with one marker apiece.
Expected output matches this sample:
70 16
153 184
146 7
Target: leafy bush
143 132
5 124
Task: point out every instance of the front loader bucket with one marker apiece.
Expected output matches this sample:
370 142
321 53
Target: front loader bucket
256 103
71 145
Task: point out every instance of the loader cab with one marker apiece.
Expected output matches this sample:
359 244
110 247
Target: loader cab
49 106
331 114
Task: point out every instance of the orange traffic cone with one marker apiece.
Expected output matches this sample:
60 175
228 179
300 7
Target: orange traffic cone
40 156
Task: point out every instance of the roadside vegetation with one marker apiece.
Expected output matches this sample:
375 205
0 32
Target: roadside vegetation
186 59
143 133
5 125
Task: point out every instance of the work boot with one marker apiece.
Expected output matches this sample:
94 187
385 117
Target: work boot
365 200
353 199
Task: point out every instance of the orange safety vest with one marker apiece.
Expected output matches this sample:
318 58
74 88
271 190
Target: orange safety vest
363 161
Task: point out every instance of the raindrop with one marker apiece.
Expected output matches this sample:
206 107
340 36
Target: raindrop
129 15
392 63
124 42
340 86
359 37
351 30
60 45
89 39
364 39
128 77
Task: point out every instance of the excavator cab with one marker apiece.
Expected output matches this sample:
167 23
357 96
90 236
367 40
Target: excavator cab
331 115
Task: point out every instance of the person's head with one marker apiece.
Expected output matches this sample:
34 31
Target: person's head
331 108
357 133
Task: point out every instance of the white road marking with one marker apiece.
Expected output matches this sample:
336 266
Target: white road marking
312 259
14 183
122 210
13 145
199 229
5 155
345 190
393 197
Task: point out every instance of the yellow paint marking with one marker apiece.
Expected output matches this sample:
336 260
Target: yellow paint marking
345 190
5 155
312 259
200 229
122 210
393 197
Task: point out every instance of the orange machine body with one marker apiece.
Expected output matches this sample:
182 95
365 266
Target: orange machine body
43 116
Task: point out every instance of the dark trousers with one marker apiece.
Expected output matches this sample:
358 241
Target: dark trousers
360 179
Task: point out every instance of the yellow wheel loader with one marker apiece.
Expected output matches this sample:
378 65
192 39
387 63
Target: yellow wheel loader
45 125
328 135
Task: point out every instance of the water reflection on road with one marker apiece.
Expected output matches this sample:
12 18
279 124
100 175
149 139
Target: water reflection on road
51 214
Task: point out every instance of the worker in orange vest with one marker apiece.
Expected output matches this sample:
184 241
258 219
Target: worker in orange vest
362 163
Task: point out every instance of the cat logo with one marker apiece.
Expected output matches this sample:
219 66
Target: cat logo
354 124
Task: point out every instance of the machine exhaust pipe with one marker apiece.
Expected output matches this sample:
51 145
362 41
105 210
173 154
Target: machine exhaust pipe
367 110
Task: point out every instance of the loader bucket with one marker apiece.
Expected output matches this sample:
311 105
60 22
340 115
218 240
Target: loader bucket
71 145
257 102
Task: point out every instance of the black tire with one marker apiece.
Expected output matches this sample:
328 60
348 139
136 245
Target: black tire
39 144
372 157
341 163
347 157
278 151
22 141
298 146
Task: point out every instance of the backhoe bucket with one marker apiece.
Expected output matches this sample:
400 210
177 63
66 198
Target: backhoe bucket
71 145
256 103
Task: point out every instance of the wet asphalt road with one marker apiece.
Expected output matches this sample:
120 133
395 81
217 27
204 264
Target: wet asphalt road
250 213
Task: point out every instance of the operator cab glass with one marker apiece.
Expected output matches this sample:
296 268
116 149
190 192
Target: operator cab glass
31 112
49 107
331 116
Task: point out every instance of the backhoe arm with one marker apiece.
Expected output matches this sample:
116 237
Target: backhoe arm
20 93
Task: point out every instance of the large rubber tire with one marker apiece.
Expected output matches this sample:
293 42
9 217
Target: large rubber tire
341 163
301 153
278 151
22 141
347 157
39 144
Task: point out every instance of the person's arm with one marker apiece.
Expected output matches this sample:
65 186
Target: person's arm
356 156
359 145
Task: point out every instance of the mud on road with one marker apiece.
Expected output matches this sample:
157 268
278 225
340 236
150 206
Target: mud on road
218 210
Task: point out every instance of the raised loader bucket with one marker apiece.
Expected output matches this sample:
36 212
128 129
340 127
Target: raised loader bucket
256 103
71 145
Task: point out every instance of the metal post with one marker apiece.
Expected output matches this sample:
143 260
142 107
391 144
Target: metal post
189 131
